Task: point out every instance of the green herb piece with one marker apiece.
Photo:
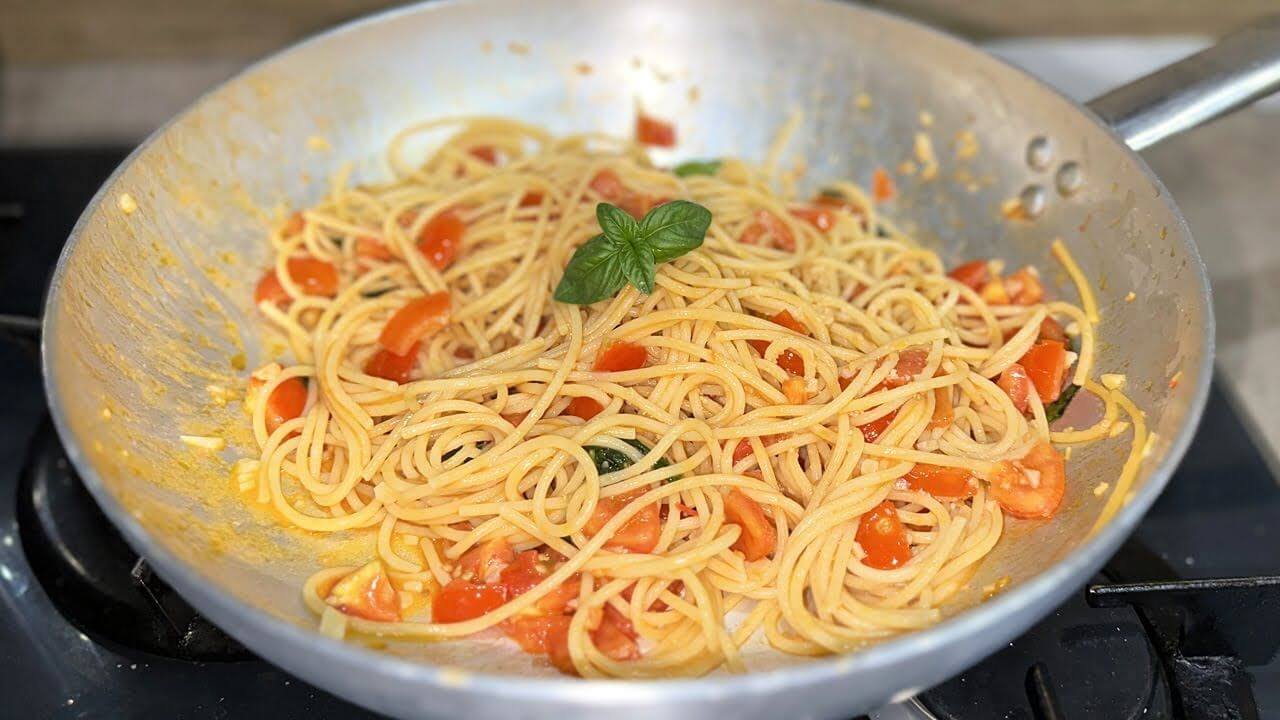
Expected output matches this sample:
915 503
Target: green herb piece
627 251
832 193
1054 410
697 167
608 460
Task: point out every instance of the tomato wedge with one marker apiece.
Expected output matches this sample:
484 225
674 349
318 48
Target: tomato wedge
287 402
532 633
418 319
531 568
314 277
461 600
440 238
875 428
883 538
584 407
972 273
882 187
1015 383
759 537
638 534
788 321
366 593
944 483
619 356
1025 495
652 131
389 366
911 363
1046 366
483 562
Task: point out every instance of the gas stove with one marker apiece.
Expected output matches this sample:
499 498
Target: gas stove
1180 624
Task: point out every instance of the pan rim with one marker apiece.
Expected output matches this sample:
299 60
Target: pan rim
270 631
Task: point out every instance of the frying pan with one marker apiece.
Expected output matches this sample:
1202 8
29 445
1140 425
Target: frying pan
149 316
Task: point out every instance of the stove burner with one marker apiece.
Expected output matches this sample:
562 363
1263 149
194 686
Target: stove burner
1079 663
92 575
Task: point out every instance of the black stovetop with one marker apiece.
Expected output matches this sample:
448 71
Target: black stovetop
85 631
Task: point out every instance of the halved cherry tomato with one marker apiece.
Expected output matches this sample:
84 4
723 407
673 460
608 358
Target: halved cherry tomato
972 273
1051 329
608 184
883 538
314 277
1031 496
1046 365
397 368
788 360
652 131
366 593
638 534
370 247
1024 287
820 218
485 154
615 636
882 187
743 448
943 409
944 483
619 356
287 402
759 537
418 319
911 363
875 428
584 407
534 633
1015 383
531 568
270 290
461 600
483 562
440 238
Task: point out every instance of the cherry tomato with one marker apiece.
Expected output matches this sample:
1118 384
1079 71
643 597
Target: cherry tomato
788 321
584 407
485 154
371 248
615 637
766 223
1023 496
759 537
943 409
529 569
882 187
608 184
1046 366
287 402
820 218
418 319
911 363
619 356
397 368
366 593
440 238
1024 287
652 131
534 634
461 600
1015 383
638 534
875 428
532 198
486 560
1051 329
944 483
314 277
883 538
972 273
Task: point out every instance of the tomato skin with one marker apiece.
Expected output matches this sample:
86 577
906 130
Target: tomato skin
972 273
461 600
534 634
366 593
312 276
619 356
911 363
607 184
876 428
1051 329
287 402
1015 383
440 238
584 407
944 483
821 218
883 538
882 187
1012 489
1046 366
652 131
943 409
417 320
389 366
639 534
759 537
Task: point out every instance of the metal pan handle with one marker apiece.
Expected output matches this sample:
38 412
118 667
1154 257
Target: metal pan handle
1241 68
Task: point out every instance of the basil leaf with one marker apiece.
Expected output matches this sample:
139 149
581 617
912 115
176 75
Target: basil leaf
608 460
1054 410
593 273
697 167
832 193
616 223
673 229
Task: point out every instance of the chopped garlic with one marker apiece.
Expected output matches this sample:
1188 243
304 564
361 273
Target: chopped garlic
204 442
1112 381
127 204
924 153
219 394
1130 297
966 144
1101 489
106 413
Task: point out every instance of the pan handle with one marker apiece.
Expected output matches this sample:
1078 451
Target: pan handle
1241 68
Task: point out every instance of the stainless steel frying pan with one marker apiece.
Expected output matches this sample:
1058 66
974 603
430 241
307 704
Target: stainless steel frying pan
150 303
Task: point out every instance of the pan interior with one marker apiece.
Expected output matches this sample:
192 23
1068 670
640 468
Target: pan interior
152 306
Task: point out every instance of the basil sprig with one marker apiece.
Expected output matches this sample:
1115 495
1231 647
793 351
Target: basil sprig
607 460
627 251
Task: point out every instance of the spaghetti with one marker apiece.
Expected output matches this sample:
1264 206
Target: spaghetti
808 430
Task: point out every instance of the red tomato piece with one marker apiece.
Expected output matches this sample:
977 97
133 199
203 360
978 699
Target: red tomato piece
882 187
417 320
820 218
1046 366
270 290
1024 287
557 643
461 600
608 184
1051 329
534 634
883 538
314 277
619 356
533 198
759 537
875 428
366 593
788 321
483 562
1026 496
972 273
911 363
485 154
944 483
1015 383
584 407
530 568
440 238
397 368
294 225
652 131
615 637
944 412
287 402
371 248
639 534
